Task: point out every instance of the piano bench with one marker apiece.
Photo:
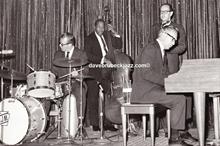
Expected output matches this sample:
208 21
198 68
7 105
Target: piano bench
143 109
216 111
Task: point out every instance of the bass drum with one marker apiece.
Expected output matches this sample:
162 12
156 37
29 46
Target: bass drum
22 120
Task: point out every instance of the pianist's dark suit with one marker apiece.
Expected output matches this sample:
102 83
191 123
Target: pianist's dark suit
148 85
176 50
60 71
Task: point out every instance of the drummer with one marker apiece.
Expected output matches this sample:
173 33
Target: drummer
69 51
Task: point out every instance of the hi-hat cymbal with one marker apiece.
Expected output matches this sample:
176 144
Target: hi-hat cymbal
9 74
65 62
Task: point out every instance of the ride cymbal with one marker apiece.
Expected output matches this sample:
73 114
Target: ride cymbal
65 62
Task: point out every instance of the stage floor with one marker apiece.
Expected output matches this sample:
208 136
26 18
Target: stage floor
114 140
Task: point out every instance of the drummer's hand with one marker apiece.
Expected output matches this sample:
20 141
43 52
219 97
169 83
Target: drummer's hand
107 61
75 73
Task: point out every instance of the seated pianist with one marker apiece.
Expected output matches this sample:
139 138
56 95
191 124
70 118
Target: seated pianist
148 82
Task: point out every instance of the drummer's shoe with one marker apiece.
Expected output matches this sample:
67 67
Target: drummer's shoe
178 142
187 137
110 128
107 127
95 128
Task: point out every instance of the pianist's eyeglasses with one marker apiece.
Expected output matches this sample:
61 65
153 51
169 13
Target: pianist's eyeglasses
174 39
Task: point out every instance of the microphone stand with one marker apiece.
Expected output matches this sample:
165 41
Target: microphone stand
102 139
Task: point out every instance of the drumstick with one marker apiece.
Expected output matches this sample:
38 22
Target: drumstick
70 73
30 67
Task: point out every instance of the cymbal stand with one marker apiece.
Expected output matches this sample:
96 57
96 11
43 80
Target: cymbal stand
81 107
2 94
80 126
69 139
2 81
12 82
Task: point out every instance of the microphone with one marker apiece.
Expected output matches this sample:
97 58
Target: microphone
6 52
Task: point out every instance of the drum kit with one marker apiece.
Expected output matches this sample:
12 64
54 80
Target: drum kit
22 115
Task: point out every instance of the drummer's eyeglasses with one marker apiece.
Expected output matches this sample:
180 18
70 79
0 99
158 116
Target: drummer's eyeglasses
165 12
65 44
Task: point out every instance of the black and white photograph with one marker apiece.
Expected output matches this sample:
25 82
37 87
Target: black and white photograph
109 72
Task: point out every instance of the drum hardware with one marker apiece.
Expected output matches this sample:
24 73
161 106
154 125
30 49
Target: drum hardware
69 98
4 55
73 63
81 77
58 90
57 124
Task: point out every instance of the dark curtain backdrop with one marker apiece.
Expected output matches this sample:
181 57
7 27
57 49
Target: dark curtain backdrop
32 27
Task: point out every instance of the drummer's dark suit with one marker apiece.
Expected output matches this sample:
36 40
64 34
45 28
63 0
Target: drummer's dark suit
93 51
148 85
60 71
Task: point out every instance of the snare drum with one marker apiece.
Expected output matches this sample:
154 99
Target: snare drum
24 120
41 84
58 90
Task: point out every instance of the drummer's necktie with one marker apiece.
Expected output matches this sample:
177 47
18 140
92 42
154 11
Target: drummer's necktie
67 55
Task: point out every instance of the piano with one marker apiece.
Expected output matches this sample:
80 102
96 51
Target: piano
198 76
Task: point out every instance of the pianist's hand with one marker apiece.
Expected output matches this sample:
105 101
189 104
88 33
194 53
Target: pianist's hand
165 73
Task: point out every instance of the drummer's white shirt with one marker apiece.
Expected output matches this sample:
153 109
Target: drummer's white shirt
70 53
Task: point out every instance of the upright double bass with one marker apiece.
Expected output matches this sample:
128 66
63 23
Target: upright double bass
120 76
